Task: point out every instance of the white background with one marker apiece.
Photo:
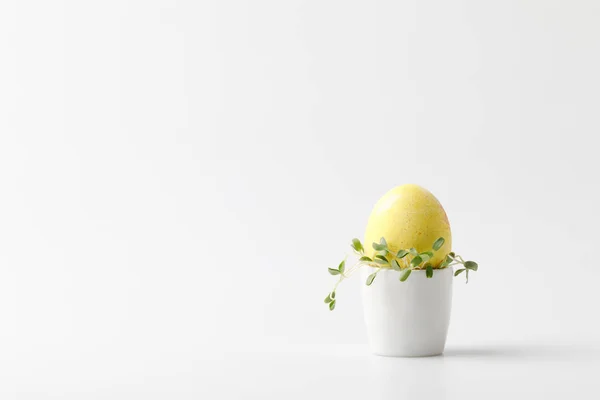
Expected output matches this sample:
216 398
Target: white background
176 176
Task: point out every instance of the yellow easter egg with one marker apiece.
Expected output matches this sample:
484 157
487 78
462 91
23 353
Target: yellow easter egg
409 216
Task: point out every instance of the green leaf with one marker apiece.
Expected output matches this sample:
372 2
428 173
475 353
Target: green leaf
395 265
438 244
451 254
378 246
382 252
459 271
416 261
332 305
332 295
472 265
429 271
413 251
371 278
383 242
333 271
365 258
426 256
380 261
328 299
357 245
380 257
342 266
446 262
467 276
401 254
405 275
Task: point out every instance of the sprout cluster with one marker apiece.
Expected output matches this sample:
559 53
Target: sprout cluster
404 261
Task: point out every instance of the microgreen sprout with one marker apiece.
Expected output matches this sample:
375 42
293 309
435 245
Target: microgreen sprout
403 261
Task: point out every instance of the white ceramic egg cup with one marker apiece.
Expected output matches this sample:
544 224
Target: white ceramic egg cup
410 318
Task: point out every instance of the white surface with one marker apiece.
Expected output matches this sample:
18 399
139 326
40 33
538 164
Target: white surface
494 371
176 176
410 318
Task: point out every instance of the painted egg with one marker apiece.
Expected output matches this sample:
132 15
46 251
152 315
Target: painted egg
409 216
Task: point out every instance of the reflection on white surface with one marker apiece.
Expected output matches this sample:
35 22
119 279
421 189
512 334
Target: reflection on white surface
488 372
331 372
408 378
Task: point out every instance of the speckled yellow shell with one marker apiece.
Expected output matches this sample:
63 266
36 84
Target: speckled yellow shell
409 216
